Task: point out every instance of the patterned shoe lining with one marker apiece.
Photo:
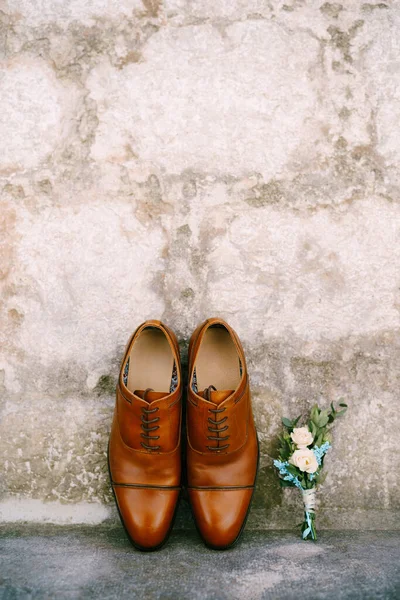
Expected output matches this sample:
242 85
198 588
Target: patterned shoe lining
126 371
174 377
174 380
194 382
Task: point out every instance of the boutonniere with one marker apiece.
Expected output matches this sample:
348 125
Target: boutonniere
301 458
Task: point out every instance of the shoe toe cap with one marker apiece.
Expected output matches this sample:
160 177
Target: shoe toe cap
220 514
147 514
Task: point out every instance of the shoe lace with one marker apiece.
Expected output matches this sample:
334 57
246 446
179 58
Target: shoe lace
146 422
216 429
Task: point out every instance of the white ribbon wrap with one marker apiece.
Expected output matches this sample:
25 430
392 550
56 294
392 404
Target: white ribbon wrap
309 500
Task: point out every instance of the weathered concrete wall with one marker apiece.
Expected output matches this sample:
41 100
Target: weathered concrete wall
181 159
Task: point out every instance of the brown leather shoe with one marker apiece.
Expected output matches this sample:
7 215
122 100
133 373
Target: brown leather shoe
222 445
144 451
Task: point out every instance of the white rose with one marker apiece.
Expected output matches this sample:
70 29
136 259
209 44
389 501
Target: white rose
302 437
304 460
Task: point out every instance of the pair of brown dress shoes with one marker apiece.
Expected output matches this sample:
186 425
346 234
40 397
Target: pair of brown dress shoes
145 442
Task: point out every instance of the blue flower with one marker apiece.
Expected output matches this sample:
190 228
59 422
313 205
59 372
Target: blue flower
320 451
282 467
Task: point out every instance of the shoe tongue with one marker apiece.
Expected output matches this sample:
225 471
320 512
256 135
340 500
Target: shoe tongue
150 395
216 396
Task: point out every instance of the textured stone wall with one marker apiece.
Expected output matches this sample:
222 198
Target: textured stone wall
182 159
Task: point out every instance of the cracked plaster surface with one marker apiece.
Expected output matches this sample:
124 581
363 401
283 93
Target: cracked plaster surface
179 160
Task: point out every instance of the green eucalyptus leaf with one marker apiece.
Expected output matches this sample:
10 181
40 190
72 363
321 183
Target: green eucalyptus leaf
293 470
314 414
287 423
315 418
331 414
323 419
296 420
285 453
286 484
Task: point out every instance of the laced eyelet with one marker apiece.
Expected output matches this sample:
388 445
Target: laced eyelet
145 422
217 438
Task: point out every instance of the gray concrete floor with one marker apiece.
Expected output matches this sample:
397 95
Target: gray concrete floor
98 562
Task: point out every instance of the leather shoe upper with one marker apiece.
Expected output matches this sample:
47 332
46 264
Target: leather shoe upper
144 448
222 445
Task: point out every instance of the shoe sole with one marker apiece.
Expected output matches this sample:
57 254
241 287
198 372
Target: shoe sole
134 544
235 541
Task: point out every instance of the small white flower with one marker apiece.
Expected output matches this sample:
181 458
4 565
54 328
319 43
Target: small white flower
302 437
304 460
